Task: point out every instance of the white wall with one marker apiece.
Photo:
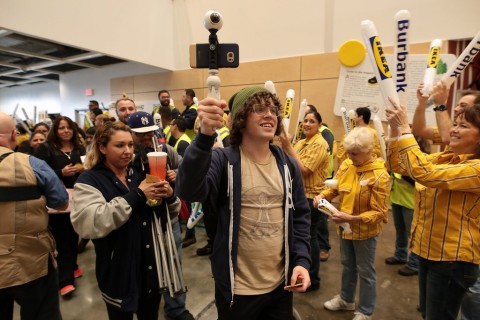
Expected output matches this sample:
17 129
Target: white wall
69 94
158 32
44 96
281 28
73 85
431 19
263 29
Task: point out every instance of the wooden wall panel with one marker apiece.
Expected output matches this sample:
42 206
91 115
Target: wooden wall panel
178 80
278 70
121 85
313 77
320 66
321 93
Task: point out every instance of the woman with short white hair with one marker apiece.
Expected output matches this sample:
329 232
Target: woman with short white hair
363 185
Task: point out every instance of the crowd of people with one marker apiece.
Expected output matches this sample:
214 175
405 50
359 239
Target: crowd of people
260 194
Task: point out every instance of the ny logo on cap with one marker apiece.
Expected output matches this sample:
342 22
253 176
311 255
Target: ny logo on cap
144 120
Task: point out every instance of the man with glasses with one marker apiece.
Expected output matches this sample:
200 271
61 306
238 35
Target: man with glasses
255 191
92 106
178 129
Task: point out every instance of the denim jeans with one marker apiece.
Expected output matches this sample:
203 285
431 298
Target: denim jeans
314 245
175 306
442 285
358 259
402 218
322 233
471 302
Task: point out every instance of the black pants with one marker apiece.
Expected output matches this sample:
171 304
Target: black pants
316 217
38 299
147 310
275 305
67 241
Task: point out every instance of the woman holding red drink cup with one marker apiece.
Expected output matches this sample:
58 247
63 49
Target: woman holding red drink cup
110 207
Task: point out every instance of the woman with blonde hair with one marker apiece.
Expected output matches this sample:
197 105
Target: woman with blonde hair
110 208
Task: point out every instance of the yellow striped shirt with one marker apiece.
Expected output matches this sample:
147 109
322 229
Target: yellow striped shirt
314 155
445 225
371 201
437 139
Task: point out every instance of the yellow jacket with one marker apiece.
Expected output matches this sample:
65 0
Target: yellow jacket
370 191
445 224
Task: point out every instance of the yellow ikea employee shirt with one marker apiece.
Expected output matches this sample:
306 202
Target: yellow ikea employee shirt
314 156
371 193
445 224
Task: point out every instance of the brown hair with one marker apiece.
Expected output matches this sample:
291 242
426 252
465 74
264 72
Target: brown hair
240 119
101 138
53 138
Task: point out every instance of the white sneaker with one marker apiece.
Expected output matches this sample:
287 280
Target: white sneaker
361 316
338 303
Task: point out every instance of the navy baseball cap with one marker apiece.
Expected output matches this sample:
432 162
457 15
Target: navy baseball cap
141 122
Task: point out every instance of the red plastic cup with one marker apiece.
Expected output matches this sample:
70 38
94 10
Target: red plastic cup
158 164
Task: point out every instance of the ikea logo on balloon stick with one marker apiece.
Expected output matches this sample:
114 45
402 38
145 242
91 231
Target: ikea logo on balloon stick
380 58
288 108
433 58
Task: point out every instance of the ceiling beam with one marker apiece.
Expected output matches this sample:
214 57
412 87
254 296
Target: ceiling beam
70 60
11 83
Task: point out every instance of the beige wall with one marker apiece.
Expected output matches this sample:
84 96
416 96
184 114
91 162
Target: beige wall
158 32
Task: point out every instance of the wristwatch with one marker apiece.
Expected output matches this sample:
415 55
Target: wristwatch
441 107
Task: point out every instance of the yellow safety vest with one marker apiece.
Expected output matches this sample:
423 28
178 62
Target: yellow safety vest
183 137
223 133
191 132
167 133
402 193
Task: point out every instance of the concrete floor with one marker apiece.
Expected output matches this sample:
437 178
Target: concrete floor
397 296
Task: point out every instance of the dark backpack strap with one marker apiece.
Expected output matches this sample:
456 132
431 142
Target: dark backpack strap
18 193
8 194
3 156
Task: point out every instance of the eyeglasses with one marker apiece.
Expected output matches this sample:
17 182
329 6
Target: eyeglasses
261 109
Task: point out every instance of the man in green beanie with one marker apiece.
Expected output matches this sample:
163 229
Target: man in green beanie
255 193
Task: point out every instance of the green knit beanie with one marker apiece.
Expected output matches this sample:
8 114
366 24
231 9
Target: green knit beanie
238 99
